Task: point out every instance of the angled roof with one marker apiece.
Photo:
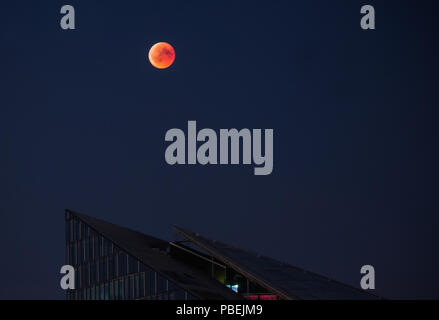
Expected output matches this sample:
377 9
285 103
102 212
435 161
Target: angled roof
151 251
287 281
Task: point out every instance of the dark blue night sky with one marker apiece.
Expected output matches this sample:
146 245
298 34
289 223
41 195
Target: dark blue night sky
83 116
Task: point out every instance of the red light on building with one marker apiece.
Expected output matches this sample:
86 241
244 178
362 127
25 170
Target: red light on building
251 297
268 297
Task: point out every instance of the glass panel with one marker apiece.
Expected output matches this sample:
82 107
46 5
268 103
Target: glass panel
142 285
101 246
92 289
132 263
107 291
191 297
76 278
116 289
106 245
177 295
72 223
150 283
80 275
87 250
79 252
102 292
161 284
136 286
83 231
111 273
127 288
172 286
67 231
101 271
121 295
78 230
76 236
122 264
93 272
87 274
72 254
97 249
105 265
92 248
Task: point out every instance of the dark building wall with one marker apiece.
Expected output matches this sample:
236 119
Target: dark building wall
105 272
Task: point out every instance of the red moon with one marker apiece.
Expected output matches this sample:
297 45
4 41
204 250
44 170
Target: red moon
161 55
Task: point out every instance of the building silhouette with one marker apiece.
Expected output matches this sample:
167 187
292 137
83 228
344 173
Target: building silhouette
116 263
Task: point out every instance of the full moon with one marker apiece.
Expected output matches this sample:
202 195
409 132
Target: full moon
161 55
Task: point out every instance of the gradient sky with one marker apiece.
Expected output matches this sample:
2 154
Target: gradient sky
83 117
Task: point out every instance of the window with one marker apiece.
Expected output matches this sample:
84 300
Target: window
101 245
76 235
101 271
87 274
142 285
72 254
87 250
121 291
234 287
102 292
80 275
76 278
93 272
191 297
132 265
105 265
67 231
136 286
71 232
111 273
83 230
172 286
97 249
116 289
150 282
92 291
122 264
161 284
127 288
106 245
107 291
177 295
79 251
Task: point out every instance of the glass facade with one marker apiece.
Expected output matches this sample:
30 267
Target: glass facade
104 271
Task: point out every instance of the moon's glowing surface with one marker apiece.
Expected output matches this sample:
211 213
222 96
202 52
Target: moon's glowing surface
161 55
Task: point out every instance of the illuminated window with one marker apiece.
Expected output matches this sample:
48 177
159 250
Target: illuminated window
234 287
